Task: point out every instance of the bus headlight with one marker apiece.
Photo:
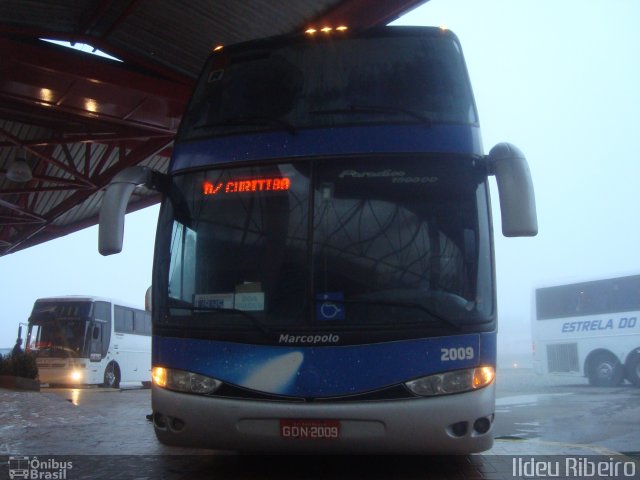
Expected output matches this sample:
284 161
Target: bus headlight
76 376
182 381
452 382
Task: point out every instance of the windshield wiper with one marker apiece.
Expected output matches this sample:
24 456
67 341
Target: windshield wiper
240 121
262 327
391 303
382 109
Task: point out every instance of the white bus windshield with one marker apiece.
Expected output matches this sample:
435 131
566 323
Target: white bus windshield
356 242
403 76
59 329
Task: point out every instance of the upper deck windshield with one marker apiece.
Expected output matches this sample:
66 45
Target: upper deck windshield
354 242
59 329
401 75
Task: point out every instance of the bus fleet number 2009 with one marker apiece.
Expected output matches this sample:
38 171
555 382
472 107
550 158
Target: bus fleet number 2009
460 353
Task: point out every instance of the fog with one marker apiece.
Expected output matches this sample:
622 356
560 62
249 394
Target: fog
557 79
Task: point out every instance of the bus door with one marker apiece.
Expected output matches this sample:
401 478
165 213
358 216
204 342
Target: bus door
96 333
101 331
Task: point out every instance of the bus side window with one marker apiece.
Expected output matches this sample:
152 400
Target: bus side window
123 320
142 323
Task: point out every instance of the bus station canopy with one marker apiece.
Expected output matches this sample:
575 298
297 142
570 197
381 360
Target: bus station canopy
69 121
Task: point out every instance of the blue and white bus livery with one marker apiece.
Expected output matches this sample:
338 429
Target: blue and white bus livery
323 273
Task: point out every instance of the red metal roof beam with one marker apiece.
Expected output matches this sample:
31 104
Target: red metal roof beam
18 143
15 208
102 138
40 235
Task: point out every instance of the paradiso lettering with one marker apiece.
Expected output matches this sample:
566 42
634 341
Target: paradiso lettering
595 325
396 176
253 185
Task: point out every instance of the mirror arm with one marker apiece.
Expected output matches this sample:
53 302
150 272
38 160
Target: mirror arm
114 204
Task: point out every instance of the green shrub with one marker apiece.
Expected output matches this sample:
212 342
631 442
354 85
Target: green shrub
20 365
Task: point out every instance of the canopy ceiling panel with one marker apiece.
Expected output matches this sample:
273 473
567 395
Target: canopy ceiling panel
74 120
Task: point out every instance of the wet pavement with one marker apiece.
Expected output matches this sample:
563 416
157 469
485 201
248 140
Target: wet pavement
104 433
567 410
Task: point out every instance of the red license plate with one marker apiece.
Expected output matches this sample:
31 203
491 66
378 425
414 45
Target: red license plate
305 429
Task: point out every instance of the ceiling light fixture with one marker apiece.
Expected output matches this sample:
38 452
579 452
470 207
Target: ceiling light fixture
19 171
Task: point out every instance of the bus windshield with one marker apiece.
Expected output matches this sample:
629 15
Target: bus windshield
357 242
403 76
59 329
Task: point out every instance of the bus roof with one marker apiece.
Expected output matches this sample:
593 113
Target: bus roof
87 298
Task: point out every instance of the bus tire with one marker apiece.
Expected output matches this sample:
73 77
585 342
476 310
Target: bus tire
112 376
632 367
605 370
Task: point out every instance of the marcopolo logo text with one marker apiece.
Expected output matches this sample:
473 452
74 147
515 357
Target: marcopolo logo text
308 339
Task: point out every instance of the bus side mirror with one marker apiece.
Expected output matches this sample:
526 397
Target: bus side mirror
96 333
515 189
147 299
114 205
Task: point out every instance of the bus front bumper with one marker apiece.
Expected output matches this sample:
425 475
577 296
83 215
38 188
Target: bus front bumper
62 376
440 424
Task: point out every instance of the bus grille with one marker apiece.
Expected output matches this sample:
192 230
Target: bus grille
563 357
387 393
51 364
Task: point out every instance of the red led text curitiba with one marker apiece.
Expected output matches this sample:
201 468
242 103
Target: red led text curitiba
240 186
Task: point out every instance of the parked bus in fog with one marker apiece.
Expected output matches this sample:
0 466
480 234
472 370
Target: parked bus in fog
323 271
589 328
85 340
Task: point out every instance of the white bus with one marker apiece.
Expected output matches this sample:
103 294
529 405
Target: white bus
85 340
589 328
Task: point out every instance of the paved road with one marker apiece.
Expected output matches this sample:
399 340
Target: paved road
533 415
567 410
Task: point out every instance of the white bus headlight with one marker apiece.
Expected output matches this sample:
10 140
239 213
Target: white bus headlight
452 382
182 381
76 376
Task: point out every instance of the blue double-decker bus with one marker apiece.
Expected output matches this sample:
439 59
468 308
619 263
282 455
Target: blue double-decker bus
324 274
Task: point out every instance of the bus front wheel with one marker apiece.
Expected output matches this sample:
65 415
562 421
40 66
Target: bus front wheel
112 376
605 370
633 368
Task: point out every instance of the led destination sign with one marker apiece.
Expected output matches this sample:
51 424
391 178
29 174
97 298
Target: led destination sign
243 186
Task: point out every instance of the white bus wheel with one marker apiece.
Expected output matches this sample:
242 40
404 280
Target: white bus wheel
605 370
112 376
632 366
